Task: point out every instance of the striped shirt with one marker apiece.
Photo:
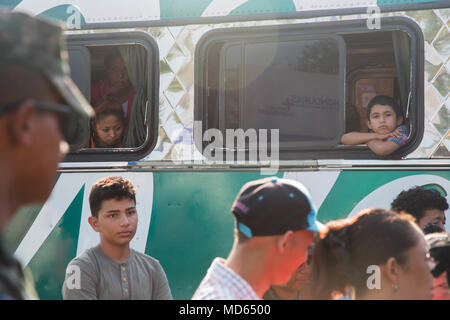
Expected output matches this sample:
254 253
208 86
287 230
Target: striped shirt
403 137
222 283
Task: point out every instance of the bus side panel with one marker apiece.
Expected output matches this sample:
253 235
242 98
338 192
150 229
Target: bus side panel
191 226
185 220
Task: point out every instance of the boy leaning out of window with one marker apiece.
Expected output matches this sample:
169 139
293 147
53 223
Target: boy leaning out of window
386 130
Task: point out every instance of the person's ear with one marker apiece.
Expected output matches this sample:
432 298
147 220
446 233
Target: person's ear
368 124
399 120
284 241
392 272
93 221
22 123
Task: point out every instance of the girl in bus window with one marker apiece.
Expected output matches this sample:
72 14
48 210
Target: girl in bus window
108 126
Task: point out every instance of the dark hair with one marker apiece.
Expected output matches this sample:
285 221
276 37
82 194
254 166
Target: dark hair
384 101
110 188
418 199
113 54
108 107
347 247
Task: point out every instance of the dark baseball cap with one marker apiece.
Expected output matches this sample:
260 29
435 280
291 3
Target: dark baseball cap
273 206
39 44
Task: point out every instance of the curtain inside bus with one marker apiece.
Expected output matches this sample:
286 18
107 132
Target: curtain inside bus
135 58
400 41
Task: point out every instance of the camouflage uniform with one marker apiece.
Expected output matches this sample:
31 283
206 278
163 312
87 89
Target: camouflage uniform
39 45
11 276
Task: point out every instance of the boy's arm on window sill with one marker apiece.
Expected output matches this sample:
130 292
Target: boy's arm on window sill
382 148
354 138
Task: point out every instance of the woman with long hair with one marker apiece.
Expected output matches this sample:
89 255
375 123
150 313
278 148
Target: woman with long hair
378 254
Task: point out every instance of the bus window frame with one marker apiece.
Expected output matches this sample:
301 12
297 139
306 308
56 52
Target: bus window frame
152 104
391 24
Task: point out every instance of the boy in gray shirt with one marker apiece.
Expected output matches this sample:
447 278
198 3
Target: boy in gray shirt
112 270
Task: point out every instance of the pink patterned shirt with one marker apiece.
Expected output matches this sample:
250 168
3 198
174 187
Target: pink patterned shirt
222 283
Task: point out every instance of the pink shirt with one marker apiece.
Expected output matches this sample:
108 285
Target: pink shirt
222 283
99 91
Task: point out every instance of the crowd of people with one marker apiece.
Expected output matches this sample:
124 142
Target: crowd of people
378 254
280 250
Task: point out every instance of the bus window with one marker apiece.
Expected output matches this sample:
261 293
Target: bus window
119 79
116 80
311 82
286 84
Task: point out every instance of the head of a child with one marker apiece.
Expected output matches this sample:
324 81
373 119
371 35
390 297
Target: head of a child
384 115
112 201
108 125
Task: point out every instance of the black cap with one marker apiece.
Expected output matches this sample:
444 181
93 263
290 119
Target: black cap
272 206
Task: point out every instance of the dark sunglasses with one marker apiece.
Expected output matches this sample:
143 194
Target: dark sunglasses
60 108
63 111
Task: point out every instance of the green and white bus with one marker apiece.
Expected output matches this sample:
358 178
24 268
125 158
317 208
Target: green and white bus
208 69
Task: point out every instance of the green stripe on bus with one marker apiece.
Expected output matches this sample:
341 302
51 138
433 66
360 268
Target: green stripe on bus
381 3
48 265
353 186
190 227
264 7
177 9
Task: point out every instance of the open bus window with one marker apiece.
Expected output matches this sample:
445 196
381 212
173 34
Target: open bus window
119 79
304 106
312 82
118 86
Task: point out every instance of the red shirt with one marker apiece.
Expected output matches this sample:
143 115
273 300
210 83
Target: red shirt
99 91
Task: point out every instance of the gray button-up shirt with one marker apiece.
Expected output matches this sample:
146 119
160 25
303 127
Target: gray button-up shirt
99 277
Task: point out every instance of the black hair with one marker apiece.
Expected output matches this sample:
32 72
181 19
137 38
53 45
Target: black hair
110 188
106 108
418 199
113 54
384 101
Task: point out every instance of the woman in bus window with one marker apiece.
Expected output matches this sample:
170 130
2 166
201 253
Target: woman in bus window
116 83
108 126
378 254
